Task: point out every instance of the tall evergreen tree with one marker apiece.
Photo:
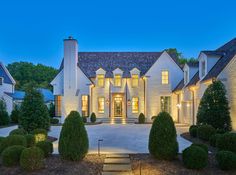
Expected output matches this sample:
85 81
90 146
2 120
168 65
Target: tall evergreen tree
214 107
4 118
34 113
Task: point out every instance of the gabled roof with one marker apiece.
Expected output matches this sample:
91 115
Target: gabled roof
192 64
194 80
7 78
228 52
179 86
19 95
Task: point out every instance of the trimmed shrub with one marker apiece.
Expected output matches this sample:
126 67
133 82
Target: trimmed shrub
153 117
11 155
213 139
1 139
93 117
30 139
73 141
84 119
32 159
203 146
4 118
162 138
141 118
46 146
51 110
226 160
15 115
13 140
19 131
193 130
204 132
34 113
54 121
194 157
227 142
40 135
214 107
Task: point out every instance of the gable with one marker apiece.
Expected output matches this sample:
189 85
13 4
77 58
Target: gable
7 78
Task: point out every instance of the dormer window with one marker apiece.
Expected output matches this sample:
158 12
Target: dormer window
117 80
1 81
135 80
100 80
203 67
186 77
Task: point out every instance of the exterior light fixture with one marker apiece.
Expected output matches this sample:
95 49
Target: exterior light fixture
178 106
129 102
107 101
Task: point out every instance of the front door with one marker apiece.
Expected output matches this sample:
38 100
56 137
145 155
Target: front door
118 107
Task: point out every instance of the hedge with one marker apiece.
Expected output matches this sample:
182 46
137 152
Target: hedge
12 140
193 130
46 146
204 132
19 131
227 142
226 160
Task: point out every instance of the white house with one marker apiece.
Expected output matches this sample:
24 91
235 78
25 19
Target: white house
217 64
115 84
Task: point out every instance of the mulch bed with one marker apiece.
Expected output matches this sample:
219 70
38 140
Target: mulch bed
54 165
152 166
51 139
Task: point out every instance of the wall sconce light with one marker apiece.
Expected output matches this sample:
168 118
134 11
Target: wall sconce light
178 106
188 105
129 102
107 102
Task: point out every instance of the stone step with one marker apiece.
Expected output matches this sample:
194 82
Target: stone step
117 156
117 161
116 167
116 173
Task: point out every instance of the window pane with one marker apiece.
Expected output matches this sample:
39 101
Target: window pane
100 80
101 103
1 80
84 105
166 104
117 80
203 68
134 80
58 106
165 77
135 105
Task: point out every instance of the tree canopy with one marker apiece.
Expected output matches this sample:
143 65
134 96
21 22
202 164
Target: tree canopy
26 74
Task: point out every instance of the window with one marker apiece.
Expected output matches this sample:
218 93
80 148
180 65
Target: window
1 81
101 103
135 105
135 80
166 104
85 105
117 80
185 77
203 68
100 80
164 77
58 106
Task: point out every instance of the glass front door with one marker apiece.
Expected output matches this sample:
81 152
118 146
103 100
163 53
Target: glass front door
118 107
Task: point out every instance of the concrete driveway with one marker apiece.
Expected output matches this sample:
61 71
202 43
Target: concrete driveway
118 138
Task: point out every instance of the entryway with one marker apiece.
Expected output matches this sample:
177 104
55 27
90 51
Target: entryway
118 106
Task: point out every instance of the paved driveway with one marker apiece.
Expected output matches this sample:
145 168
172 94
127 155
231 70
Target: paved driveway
129 138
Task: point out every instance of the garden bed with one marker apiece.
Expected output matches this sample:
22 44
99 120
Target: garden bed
54 165
88 123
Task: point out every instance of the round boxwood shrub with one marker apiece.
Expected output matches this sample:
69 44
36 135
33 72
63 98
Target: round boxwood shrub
46 146
162 138
141 118
40 135
19 131
12 140
73 140
11 155
54 121
30 139
227 142
193 130
31 159
93 117
203 146
84 119
204 132
194 157
226 160
213 139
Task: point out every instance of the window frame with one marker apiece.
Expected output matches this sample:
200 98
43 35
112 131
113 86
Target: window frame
186 76
1 81
135 111
101 77
101 111
115 80
169 107
132 80
163 80
87 106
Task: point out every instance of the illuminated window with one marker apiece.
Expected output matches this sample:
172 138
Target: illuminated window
58 106
1 80
100 80
85 105
203 68
166 104
135 105
117 80
135 80
101 104
164 77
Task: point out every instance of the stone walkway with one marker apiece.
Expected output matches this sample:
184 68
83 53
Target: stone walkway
117 164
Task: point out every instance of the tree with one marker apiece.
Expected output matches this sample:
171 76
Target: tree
34 113
73 141
51 110
162 138
15 114
4 118
214 107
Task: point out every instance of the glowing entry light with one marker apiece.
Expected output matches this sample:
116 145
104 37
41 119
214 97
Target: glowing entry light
178 106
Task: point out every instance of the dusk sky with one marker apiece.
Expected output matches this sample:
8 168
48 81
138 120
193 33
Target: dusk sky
33 30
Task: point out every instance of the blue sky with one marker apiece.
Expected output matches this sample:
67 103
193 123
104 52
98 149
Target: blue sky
33 30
